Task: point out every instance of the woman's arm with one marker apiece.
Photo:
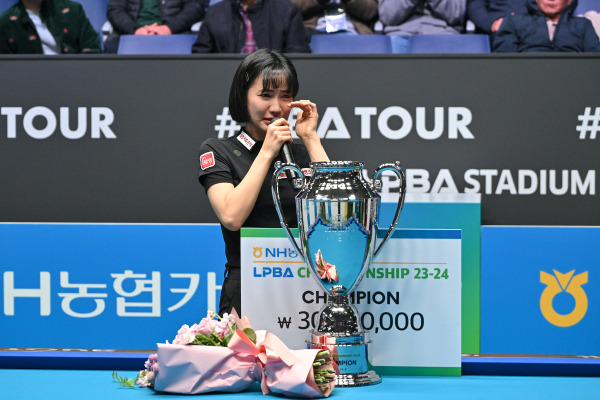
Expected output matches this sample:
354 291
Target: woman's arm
233 204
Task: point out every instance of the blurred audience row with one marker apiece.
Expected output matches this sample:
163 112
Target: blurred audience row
242 26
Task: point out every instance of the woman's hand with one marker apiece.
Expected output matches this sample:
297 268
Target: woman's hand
306 129
306 119
278 132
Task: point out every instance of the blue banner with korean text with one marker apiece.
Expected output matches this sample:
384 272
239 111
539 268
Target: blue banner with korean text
105 286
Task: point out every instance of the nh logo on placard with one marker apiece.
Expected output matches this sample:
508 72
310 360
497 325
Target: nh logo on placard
278 262
270 270
561 284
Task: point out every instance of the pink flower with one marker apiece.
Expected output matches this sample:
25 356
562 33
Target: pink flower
184 335
325 270
331 273
143 382
229 318
211 331
148 375
205 327
223 327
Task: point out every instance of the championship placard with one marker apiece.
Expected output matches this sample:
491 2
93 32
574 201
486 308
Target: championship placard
409 300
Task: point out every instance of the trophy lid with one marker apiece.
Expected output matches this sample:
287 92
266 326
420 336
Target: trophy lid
330 166
338 181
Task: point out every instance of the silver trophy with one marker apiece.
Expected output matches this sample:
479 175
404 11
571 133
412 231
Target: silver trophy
337 214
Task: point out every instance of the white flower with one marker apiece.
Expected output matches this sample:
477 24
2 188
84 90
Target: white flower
184 335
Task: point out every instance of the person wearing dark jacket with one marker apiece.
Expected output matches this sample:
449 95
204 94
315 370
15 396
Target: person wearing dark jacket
274 24
422 17
487 15
151 17
549 26
47 27
331 16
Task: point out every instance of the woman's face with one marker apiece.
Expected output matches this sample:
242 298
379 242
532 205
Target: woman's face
264 104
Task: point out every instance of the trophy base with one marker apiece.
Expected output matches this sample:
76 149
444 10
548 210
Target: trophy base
350 352
362 379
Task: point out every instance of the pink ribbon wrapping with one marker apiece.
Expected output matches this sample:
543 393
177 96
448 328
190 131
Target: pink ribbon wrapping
191 369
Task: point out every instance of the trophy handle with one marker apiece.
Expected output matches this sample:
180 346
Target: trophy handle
397 169
279 168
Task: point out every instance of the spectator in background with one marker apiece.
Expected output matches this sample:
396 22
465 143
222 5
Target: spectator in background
594 17
242 26
47 27
549 26
414 17
332 16
151 17
487 15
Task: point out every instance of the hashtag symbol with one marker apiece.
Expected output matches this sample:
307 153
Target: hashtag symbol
226 124
590 123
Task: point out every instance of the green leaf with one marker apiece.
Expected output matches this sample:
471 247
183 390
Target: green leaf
251 334
124 381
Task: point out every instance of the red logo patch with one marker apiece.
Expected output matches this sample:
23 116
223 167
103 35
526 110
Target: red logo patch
207 160
246 140
307 171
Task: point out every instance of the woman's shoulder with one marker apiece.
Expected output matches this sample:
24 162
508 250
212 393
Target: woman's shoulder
216 142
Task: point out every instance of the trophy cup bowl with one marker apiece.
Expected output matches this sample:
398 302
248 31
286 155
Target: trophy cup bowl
337 214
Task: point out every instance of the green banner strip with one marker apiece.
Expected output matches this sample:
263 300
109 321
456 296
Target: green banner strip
266 232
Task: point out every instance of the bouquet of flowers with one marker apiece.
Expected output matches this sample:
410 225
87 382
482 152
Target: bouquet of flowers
224 354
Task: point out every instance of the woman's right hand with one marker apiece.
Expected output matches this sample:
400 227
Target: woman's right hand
278 133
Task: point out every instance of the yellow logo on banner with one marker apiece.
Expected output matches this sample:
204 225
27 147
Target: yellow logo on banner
564 283
258 252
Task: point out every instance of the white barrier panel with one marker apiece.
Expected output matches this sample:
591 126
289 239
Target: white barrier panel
409 299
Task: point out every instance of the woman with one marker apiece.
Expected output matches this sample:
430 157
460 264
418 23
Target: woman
236 172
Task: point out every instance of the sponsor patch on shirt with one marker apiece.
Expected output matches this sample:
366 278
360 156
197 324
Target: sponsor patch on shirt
246 140
207 160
